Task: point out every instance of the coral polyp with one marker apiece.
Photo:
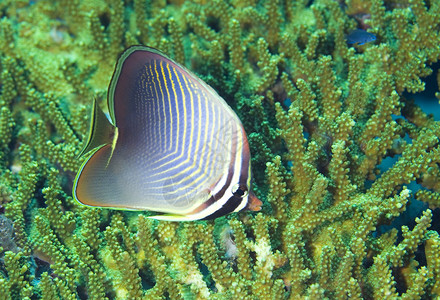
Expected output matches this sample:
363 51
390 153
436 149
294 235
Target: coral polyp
344 159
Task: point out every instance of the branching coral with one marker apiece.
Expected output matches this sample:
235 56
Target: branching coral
322 119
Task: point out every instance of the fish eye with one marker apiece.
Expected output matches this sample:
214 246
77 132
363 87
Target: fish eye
240 190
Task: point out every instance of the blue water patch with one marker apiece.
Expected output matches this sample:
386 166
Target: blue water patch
413 210
429 105
426 99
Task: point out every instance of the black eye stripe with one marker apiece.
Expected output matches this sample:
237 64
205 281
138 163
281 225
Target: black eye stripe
241 191
229 207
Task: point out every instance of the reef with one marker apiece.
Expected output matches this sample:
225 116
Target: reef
341 151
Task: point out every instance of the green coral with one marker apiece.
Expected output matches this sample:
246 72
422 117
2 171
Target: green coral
316 162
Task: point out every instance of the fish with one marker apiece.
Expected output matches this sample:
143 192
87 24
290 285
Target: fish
171 145
360 37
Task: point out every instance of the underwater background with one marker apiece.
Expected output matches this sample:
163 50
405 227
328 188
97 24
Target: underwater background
344 158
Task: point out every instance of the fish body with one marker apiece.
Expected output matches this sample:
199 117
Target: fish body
174 146
360 37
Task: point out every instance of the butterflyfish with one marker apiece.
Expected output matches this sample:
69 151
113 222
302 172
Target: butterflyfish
360 37
171 145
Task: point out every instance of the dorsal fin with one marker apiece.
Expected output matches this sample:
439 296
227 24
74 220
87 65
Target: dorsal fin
101 131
